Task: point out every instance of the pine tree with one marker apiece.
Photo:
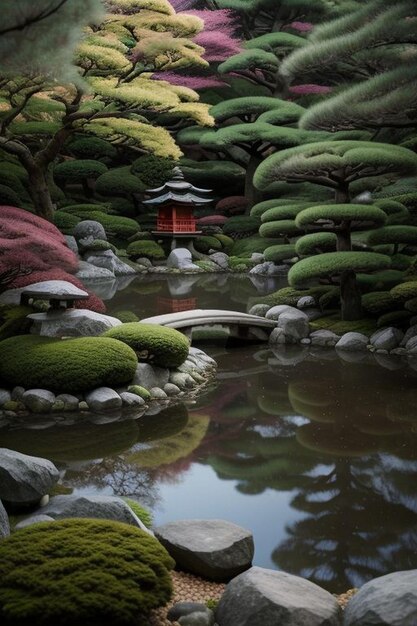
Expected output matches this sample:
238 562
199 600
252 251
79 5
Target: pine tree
115 59
337 164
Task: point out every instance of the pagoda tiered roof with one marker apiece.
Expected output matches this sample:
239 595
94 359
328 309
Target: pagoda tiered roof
178 190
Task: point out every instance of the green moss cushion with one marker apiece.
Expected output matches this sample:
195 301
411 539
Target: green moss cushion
148 249
82 572
66 365
152 343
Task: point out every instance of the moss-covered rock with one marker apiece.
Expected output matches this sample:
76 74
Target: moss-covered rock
152 343
378 302
82 571
69 365
145 248
140 391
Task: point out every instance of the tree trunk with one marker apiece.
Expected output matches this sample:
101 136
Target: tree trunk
39 192
350 296
252 194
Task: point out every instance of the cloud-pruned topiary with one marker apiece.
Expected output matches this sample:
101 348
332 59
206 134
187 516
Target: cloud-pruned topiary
82 571
78 170
152 343
334 263
66 365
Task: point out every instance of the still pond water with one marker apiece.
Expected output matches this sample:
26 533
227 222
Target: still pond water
316 455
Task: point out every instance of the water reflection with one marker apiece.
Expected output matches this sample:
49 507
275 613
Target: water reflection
322 449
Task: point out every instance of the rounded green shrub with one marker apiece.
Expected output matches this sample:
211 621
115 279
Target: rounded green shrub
119 182
148 249
66 365
152 343
152 170
207 242
85 572
404 291
246 247
78 170
394 318
123 206
241 226
92 148
81 209
378 302
227 242
115 226
65 221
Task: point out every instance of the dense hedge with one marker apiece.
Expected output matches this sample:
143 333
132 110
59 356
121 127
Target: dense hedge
241 226
65 221
207 242
92 148
378 302
69 365
152 343
82 572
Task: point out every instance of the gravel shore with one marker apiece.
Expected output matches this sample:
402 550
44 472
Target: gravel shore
190 588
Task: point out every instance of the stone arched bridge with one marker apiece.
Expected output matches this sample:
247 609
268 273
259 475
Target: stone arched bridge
239 325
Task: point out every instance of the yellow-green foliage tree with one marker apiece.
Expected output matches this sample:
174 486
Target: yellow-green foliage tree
113 95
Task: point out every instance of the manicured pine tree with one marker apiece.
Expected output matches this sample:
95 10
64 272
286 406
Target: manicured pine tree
337 164
114 59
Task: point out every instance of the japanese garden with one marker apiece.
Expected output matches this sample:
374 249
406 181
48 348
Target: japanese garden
208 313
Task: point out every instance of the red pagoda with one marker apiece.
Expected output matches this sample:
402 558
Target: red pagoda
175 201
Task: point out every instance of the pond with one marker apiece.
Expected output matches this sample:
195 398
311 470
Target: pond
316 455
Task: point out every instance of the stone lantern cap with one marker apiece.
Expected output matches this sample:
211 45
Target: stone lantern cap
57 292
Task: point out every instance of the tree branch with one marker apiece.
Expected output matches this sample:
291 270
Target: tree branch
33 20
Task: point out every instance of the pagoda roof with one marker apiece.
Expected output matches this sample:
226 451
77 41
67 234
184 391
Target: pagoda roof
178 184
176 197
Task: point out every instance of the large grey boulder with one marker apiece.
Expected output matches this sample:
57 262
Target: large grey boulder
102 507
108 260
259 309
149 376
214 549
324 338
410 332
352 342
88 271
267 269
4 522
89 228
386 338
221 259
23 478
180 258
38 400
72 323
263 597
295 325
103 399
389 600
274 312
199 618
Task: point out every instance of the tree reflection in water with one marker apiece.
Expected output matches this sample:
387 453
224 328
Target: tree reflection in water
351 463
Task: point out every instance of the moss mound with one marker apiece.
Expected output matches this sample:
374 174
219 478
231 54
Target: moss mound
152 343
69 365
82 571
148 249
